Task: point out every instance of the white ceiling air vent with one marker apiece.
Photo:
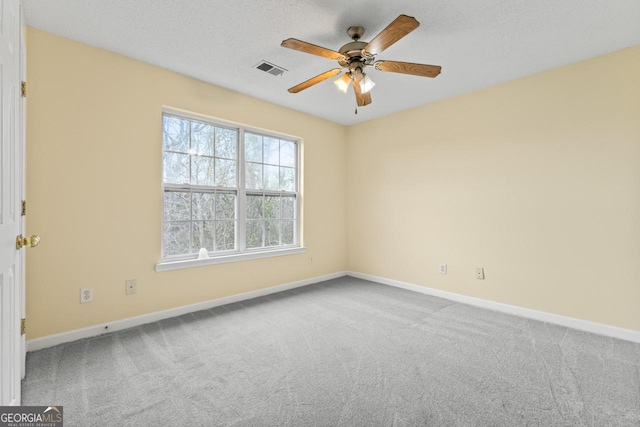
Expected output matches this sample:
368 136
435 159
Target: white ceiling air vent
270 68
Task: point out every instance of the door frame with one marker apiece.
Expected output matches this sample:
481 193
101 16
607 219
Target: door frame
22 111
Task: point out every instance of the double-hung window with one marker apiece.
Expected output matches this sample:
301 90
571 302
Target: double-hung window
228 191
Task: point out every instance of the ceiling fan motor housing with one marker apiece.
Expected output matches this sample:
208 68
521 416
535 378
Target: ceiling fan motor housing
354 54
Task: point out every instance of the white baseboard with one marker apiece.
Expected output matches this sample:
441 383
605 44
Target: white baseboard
569 322
92 331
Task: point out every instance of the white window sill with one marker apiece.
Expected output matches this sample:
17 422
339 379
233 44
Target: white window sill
190 263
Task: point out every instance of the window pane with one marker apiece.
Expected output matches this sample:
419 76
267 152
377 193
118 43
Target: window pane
253 176
226 143
201 139
225 173
288 207
287 232
177 206
254 234
287 154
175 168
225 235
202 169
271 150
287 179
254 207
252 147
272 233
175 134
203 205
272 207
176 238
202 172
271 177
225 206
203 235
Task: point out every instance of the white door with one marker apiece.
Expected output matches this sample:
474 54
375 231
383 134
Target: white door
11 277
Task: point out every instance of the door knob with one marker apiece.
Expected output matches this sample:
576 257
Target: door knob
29 242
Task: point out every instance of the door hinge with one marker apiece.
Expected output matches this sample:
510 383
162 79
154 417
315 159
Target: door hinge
24 207
23 86
23 327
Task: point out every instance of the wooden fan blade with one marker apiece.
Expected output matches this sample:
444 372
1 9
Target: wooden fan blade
315 80
408 68
362 99
296 44
399 28
367 98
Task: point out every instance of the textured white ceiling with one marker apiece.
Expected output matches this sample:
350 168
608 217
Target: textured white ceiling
477 43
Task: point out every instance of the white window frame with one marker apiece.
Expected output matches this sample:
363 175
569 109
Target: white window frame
240 253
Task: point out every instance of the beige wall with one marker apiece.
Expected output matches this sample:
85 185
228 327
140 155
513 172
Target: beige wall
93 184
536 180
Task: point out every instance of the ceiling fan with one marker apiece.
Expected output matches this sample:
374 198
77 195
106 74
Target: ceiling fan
355 56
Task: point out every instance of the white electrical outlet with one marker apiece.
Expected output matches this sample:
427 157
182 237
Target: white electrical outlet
131 286
443 268
86 295
310 259
479 273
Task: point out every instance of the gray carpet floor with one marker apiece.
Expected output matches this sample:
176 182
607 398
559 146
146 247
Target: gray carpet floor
346 352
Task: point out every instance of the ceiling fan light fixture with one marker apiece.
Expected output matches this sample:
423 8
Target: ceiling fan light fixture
366 84
355 56
343 83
